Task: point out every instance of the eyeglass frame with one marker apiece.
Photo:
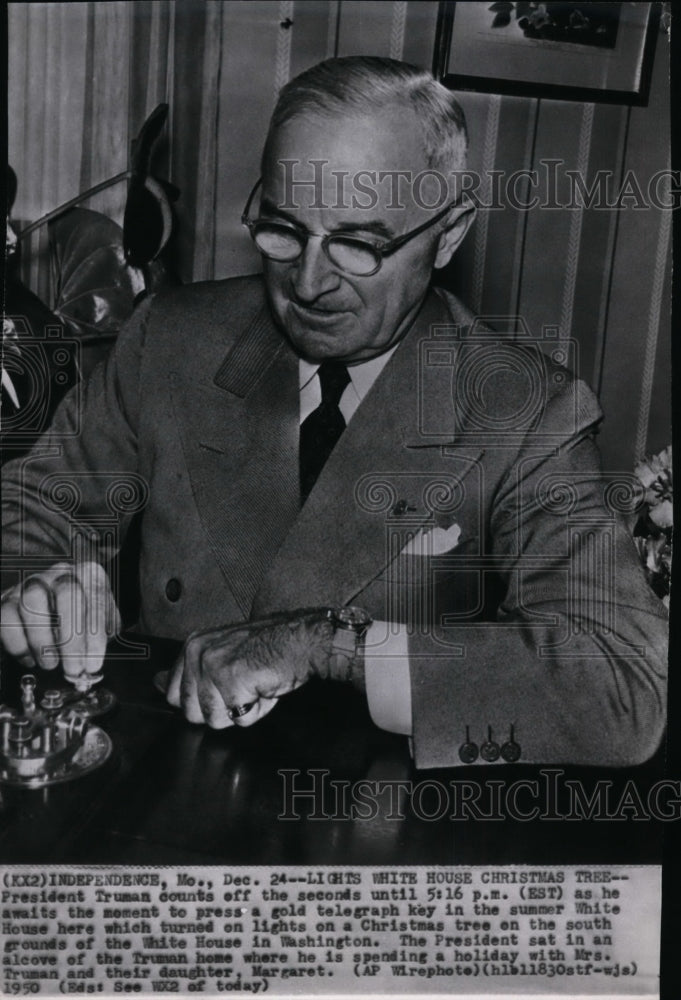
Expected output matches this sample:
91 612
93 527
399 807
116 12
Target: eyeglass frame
381 250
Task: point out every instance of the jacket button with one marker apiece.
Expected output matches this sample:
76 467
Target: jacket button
173 589
468 751
489 751
510 751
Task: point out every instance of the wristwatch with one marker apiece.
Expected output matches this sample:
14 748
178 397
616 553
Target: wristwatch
350 625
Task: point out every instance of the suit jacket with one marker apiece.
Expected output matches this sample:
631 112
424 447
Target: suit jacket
540 619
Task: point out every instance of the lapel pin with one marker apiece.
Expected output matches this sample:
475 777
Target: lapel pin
401 507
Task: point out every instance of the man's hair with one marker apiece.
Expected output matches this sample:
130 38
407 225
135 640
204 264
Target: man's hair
367 84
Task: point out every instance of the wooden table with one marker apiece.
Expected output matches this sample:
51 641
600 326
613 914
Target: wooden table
176 793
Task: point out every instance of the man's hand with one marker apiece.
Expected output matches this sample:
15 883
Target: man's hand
253 664
65 614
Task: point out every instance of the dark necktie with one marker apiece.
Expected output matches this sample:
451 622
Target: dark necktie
320 431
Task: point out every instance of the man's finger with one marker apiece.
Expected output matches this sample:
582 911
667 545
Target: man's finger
240 687
37 617
261 708
113 617
99 617
71 606
102 614
188 659
185 663
200 688
172 690
213 708
189 697
182 689
13 634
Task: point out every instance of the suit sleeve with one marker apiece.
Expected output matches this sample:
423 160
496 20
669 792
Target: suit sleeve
74 493
576 659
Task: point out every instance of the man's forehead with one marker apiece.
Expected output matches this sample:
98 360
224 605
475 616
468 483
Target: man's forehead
377 140
358 167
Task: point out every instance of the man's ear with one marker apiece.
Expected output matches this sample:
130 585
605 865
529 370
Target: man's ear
457 227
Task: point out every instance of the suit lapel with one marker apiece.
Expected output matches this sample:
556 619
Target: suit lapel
384 480
240 442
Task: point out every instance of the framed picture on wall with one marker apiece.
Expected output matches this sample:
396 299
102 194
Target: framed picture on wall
571 51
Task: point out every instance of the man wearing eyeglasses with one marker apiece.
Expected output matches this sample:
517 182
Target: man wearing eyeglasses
343 483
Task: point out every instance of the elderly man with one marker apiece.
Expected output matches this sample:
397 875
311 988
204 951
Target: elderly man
346 476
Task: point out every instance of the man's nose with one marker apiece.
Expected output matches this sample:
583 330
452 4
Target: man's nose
313 273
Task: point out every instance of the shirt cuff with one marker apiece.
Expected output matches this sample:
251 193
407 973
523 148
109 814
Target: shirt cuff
386 674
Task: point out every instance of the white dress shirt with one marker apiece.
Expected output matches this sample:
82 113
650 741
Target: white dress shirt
386 658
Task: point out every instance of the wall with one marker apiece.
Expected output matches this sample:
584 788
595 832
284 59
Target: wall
84 76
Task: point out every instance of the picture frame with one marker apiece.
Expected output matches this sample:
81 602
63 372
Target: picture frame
592 52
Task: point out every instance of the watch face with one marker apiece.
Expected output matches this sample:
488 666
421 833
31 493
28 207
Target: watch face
352 617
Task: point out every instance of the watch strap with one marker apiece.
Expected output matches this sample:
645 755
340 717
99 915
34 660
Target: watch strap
346 660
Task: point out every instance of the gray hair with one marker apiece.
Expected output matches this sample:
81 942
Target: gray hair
368 84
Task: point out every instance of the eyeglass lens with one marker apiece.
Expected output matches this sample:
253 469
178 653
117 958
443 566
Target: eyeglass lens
284 244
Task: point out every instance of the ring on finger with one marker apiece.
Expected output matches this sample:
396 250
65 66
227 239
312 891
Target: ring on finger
237 711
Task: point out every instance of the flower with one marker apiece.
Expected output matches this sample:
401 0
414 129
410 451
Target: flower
662 515
11 240
653 530
655 475
9 346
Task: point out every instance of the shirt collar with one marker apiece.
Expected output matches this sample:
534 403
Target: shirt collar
362 375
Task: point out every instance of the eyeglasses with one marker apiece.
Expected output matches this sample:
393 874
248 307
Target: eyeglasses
286 241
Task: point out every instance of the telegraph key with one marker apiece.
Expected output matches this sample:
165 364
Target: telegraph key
55 741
